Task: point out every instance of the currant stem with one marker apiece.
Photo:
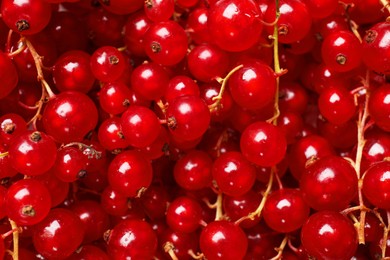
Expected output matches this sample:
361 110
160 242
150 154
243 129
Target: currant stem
169 248
86 149
2 155
281 248
15 235
277 69
386 5
38 64
217 99
219 211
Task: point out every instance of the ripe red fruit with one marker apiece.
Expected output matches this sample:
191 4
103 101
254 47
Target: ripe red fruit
263 144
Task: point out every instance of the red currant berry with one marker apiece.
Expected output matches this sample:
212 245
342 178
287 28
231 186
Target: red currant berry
376 48
263 144
11 125
8 75
107 64
140 126
70 165
130 173
27 150
375 184
285 210
27 202
73 72
26 17
329 183
69 116
59 234
329 235
188 117
159 10
166 43
235 25
233 173
219 238
378 106
184 215
132 239
110 135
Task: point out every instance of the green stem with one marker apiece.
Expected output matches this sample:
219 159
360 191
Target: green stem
277 69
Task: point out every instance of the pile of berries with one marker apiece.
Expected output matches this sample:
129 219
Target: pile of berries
194 129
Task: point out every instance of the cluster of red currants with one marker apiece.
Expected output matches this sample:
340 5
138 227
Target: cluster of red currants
194 129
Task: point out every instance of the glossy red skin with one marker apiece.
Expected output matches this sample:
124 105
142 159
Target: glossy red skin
89 252
263 144
198 26
134 239
172 41
253 86
207 62
36 13
110 134
183 111
184 215
102 66
70 164
294 15
319 9
329 235
235 25
233 173
159 10
122 7
150 81
135 28
115 97
129 172
25 153
329 183
11 125
72 72
59 234
379 106
376 184
140 126
93 217
113 202
181 86
218 239
193 170
155 201
376 48
182 242
25 193
69 116
285 210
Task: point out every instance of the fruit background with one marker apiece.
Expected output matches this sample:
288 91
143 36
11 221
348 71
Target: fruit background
194 129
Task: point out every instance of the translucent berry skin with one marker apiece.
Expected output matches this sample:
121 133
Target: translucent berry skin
329 235
107 63
184 214
376 184
150 81
159 10
337 105
110 134
234 174
59 234
376 48
263 144
27 150
140 126
11 125
26 17
188 117
89 252
135 28
207 62
27 202
181 86
235 25
115 97
329 183
122 7
193 170
341 51
219 238
285 210
70 164
73 72
294 22
69 116
8 75
379 106
166 43
132 239
129 173
253 86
